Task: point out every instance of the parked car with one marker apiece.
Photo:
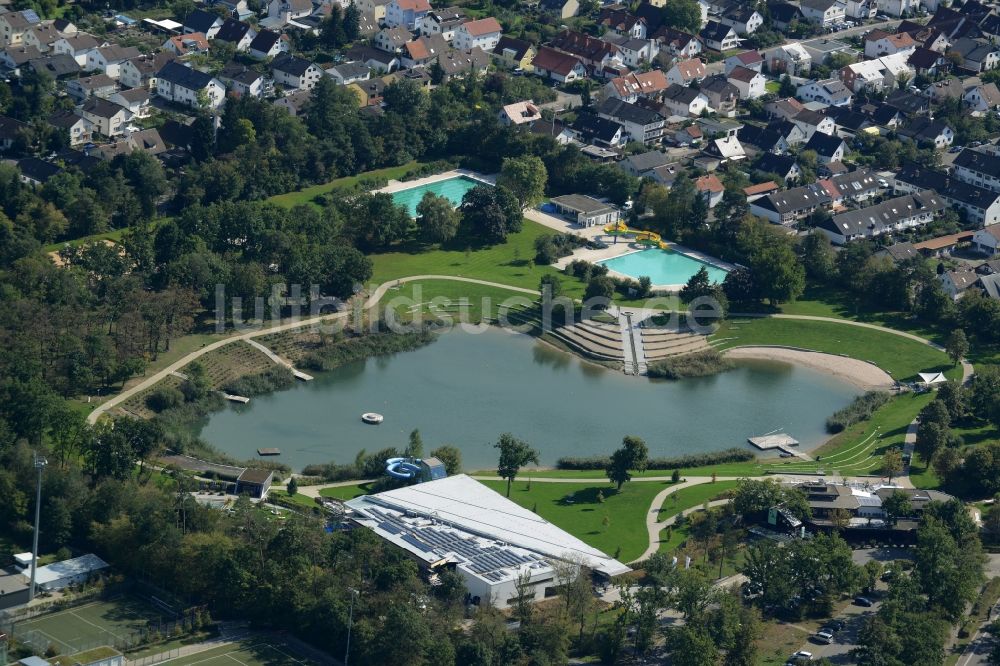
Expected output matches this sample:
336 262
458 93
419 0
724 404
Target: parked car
863 601
800 657
835 625
823 636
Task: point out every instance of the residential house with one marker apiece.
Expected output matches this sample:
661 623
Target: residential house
909 103
767 140
690 135
897 214
824 12
642 164
296 102
98 85
785 108
821 49
926 62
443 22
376 59
295 72
553 129
828 148
483 33
929 132
754 192
285 11
812 122
184 85
983 97
710 188
376 9
593 129
141 72
861 9
978 55
726 149
242 81
686 72
237 33
136 100
987 240
563 9
785 167
876 74
13 25
591 51
558 66
955 283
719 36
950 88
683 101
790 206
977 205
457 63
520 113
898 7
106 117
879 43
677 43
56 65
784 14
977 168
392 40
109 59
641 124
514 54
77 46
204 22
722 95
148 141
791 59
635 85
42 36
406 13
77 128
349 72
636 52
847 122
423 51
268 44
744 19
13 57
853 186
182 45
898 252
749 59
36 172
620 21
749 82
238 9
828 91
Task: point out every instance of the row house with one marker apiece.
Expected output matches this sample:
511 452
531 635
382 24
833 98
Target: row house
790 206
977 168
898 214
978 205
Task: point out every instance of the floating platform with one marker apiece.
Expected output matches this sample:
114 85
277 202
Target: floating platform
773 441
269 451
298 374
236 398
372 418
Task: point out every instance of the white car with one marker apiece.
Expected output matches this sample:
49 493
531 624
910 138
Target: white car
799 657
824 636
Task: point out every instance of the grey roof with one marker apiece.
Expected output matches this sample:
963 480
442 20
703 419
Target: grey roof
36 169
990 285
200 21
232 31
116 53
795 199
647 161
101 108
824 144
715 31
264 41
595 126
900 251
185 77
947 186
134 94
632 113
682 94
923 129
718 85
980 162
820 5
884 216
582 203
64 119
779 164
518 46
855 182
9 127
351 70
762 137
907 102
93 82
56 64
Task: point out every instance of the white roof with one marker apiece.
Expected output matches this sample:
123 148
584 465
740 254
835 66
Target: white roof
68 568
463 503
932 377
24 559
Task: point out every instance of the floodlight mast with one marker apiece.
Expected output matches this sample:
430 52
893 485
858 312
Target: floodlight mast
40 463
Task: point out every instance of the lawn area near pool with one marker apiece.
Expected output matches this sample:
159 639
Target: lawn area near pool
344 493
584 517
511 263
900 357
306 195
441 300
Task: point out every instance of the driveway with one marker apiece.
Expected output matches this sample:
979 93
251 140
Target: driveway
844 641
883 555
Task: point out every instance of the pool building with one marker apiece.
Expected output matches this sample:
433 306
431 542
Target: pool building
586 211
459 524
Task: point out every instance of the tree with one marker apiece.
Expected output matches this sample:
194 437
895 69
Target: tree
698 285
787 88
931 438
525 177
778 274
599 291
892 462
491 213
438 218
683 15
514 454
415 447
633 455
818 256
896 506
957 345
451 457
293 485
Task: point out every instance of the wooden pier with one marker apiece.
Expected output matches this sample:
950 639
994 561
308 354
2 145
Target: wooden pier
778 440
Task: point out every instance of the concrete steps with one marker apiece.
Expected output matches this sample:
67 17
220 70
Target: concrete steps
695 344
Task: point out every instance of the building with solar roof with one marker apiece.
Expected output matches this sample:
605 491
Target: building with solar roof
460 524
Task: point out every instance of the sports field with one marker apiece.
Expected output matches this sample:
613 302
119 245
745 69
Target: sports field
245 653
116 623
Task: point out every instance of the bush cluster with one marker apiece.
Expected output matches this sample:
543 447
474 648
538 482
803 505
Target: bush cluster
860 409
699 364
677 462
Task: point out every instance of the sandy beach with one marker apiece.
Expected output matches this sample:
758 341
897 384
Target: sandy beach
864 375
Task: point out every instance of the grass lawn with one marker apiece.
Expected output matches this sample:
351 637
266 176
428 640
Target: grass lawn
511 263
345 493
576 509
688 498
900 357
772 87
307 195
298 499
443 301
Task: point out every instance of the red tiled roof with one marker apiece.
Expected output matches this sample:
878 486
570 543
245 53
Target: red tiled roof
482 27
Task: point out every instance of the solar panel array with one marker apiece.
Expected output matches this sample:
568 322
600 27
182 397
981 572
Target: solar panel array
484 560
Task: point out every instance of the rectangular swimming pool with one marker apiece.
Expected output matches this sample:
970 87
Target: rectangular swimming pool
452 189
662 266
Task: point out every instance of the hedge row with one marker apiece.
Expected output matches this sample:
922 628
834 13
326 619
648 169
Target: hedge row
678 462
860 409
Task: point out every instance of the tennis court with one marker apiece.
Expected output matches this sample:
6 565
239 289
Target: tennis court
246 653
115 622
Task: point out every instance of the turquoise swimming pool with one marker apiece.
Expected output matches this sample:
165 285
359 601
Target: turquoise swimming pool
452 189
662 266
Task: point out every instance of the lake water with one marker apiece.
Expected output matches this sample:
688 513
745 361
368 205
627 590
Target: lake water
452 189
465 389
662 266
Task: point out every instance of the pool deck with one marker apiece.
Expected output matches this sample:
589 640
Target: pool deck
400 185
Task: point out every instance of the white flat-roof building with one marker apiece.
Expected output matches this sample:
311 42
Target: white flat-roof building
58 575
22 560
459 523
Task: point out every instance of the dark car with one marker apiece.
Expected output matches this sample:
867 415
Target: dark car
836 625
863 601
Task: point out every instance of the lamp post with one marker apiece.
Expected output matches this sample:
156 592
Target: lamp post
40 464
350 623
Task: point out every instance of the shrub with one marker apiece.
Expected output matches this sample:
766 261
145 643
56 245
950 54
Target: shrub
860 409
699 364
375 344
272 379
676 463
164 398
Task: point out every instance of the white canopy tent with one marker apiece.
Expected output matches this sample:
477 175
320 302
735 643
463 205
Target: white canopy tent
932 378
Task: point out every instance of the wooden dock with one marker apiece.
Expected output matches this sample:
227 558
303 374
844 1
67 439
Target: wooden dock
269 451
236 398
777 440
